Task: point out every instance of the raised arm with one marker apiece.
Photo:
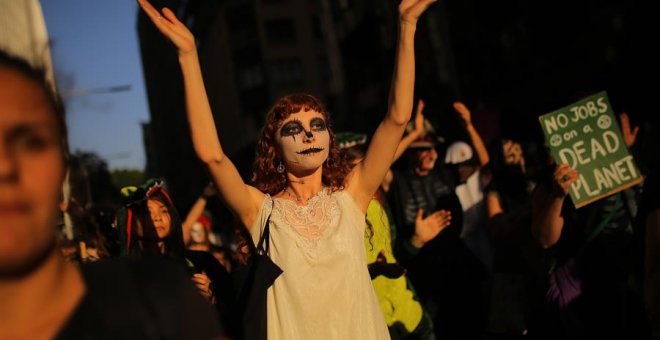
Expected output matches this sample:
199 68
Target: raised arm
368 175
243 199
196 211
547 221
478 143
414 134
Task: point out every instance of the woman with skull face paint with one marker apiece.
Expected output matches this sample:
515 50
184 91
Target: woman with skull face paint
317 199
197 225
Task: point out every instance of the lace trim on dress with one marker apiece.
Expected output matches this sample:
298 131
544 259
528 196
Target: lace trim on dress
312 221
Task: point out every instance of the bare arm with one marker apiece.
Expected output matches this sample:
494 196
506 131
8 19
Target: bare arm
367 176
195 212
478 143
493 204
547 221
414 134
241 198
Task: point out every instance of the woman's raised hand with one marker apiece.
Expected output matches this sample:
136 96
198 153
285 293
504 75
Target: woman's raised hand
171 27
464 112
419 118
411 10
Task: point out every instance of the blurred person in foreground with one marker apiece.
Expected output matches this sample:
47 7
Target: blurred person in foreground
43 296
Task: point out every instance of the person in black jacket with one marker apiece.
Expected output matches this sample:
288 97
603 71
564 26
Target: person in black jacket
150 226
44 296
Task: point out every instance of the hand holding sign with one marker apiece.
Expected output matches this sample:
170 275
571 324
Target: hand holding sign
562 179
586 136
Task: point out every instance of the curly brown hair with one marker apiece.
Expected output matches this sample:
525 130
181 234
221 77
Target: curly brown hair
264 175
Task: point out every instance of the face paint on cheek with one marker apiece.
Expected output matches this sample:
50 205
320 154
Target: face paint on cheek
291 129
294 138
197 233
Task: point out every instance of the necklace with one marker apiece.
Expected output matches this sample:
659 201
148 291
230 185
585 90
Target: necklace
297 197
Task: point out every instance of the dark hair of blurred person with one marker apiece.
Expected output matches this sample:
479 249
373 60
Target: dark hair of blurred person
150 226
43 296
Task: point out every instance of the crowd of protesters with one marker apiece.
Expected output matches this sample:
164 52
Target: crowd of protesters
403 234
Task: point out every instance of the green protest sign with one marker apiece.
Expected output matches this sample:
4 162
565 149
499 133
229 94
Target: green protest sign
586 136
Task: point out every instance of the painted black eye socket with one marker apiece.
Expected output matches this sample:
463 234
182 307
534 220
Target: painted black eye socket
291 128
317 124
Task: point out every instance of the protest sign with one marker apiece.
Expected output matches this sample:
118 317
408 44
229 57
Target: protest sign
586 136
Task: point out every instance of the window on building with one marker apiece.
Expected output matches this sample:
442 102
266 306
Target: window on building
324 67
251 77
239 18
285 71
317 29
279 31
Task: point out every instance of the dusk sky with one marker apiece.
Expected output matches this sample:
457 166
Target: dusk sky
94 45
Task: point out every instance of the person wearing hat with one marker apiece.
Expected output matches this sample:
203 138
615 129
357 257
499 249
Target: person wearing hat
149 225
447 276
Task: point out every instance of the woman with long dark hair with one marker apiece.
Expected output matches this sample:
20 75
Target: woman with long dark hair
151 226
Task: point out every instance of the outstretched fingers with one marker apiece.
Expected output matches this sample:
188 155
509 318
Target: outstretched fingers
170 26
411 10
441 219
463 111
163 24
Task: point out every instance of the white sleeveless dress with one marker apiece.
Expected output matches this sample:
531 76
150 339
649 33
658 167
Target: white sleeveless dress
325 291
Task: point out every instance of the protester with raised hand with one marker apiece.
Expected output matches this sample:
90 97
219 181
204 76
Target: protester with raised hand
317 199
587 291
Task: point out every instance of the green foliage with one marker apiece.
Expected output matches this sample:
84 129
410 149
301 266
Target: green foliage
127 177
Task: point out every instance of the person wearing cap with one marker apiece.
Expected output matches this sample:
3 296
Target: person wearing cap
470 190
447 276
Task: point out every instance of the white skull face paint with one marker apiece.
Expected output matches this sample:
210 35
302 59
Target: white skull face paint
198 233
304 140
